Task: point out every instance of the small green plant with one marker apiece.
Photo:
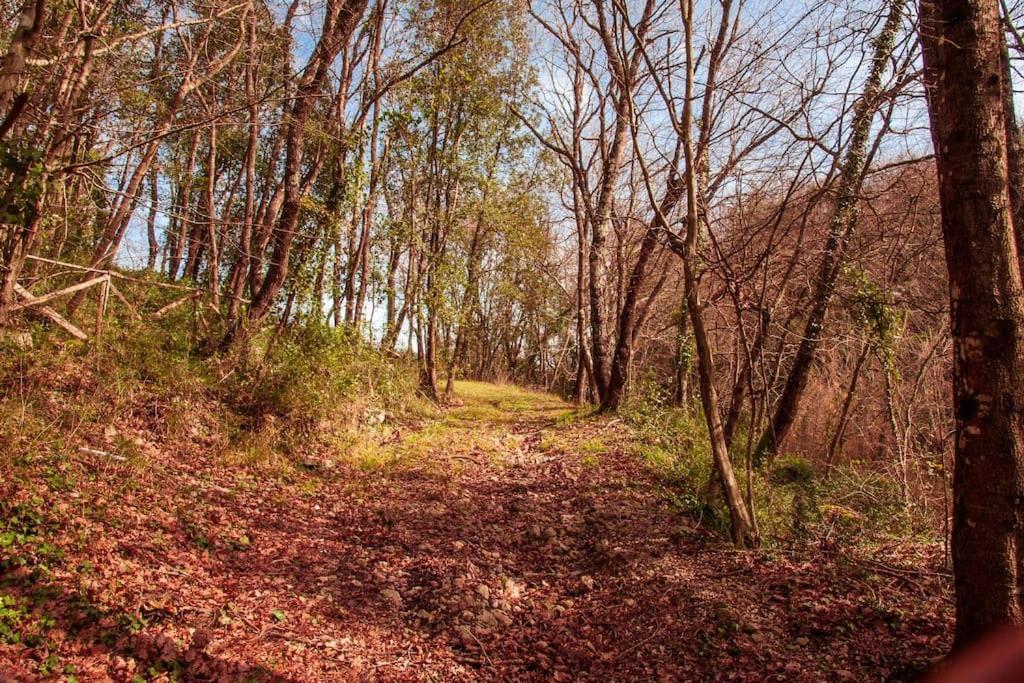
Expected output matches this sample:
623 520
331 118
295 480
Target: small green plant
50 666
787 500
23 537
673 441
17 626
592 447
59 480
791 469
865 503
195 534
131 622
12 615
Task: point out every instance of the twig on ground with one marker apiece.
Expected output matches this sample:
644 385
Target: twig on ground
96 451
638 644
483 650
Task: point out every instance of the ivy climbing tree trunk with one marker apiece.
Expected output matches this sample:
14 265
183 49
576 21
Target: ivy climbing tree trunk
840 230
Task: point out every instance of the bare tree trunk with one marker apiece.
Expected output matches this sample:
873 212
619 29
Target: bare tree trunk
624 72
966 81
182 211
584 364
683 360
582 355
744 532
428 380
12 66
240 268
408 294
154 201
836 444
898 445
391 291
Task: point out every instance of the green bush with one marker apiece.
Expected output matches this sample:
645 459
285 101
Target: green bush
787 500
318 372
870 503
793 502
792 469
674 443
166 376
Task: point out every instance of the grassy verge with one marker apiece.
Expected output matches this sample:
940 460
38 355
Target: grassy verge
795 501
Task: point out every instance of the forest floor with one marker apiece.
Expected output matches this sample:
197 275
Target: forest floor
507 539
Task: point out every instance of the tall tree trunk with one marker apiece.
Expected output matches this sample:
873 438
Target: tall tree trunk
966 81
154 201
596 258
240 268
836 444
12 66
428 379
212 224
408 308
391 295
744 531
181 212
584 366
683 360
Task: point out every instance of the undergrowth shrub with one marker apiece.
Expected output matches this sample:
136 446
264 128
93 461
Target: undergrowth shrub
861 504
674 443
317 383
162 380
312 394
794 502
787 500
314 369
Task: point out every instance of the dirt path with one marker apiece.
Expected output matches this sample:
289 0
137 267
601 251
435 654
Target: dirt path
506 540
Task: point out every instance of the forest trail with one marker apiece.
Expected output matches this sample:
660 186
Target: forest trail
509 538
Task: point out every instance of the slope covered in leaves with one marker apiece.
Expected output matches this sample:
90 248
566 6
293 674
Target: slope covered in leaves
507 538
